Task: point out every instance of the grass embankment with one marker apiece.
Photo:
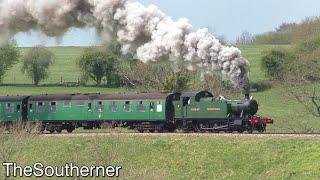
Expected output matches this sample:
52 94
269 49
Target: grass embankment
288 114
177 157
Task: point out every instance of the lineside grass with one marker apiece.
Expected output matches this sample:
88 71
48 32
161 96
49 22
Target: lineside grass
176 157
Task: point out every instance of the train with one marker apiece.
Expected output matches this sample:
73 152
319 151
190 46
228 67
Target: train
145 112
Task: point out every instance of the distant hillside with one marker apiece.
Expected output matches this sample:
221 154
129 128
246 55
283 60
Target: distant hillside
289 33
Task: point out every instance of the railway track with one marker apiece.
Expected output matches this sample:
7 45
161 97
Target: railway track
108 134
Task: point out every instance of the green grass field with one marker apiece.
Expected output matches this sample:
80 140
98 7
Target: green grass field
176 157
64 67
288 114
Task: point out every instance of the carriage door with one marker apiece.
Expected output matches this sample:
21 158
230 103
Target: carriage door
90 114
156 110
24 112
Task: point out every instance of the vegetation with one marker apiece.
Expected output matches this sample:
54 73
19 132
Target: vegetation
9 55
97 64
279 38
36 64
274 63
154 76
298 67
290 33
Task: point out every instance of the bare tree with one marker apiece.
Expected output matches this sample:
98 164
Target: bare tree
303 81
245 38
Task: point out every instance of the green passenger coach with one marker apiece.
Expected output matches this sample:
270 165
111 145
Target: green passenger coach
13 108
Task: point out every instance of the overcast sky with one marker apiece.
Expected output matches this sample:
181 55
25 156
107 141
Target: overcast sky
225 17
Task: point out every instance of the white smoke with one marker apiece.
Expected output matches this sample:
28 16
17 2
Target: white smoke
147 30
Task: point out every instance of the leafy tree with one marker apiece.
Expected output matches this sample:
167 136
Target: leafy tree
36 64
97 64
9 55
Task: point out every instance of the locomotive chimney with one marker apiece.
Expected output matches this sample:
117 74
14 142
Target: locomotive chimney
246 91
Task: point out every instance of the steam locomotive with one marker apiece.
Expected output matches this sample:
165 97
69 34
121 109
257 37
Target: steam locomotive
153 112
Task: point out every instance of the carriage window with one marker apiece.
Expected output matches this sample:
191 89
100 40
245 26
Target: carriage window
30 106
53 106
8 105
159 106
141 107
127 106
152 105
80 104
18 107
9 108
67 104
100 106
40 107
113 107
89 106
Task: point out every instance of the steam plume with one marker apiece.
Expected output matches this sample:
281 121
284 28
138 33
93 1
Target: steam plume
147 30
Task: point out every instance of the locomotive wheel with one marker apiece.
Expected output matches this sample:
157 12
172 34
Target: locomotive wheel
151 130
240 131
141 130
262 128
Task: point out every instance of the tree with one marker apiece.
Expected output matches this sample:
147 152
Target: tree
97 64
303 81
36 64
9 55
245 38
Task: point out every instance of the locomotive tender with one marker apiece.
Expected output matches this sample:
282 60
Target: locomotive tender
190 112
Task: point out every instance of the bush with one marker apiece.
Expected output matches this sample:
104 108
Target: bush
274 63
307 46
